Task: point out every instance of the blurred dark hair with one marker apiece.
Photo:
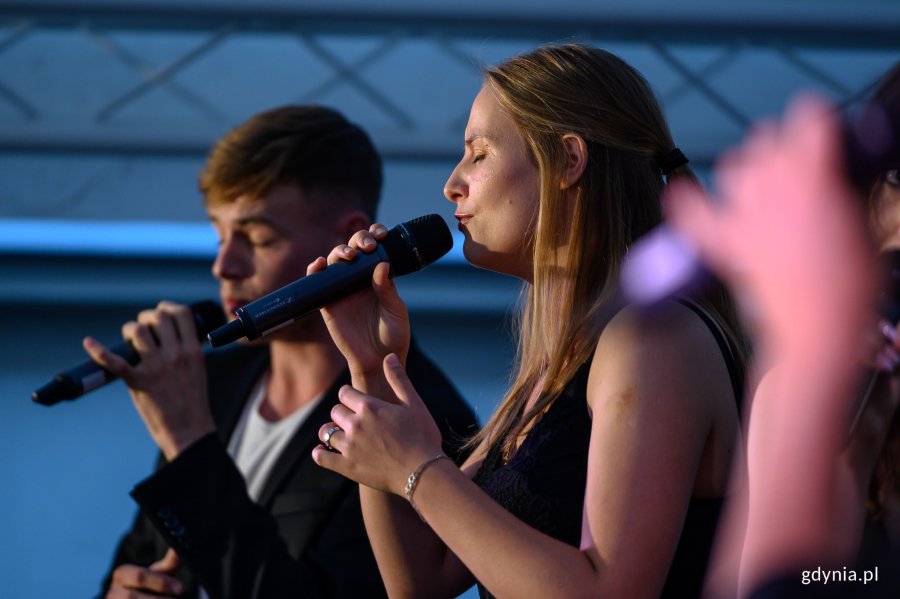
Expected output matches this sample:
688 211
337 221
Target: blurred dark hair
883 110
872 134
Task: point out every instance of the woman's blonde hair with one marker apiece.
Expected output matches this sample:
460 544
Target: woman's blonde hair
575 89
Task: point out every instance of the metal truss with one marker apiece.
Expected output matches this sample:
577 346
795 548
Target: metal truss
165 78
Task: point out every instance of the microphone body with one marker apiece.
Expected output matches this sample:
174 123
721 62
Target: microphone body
87 376
408 247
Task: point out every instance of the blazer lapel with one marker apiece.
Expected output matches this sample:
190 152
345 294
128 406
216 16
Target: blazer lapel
231 375
300 446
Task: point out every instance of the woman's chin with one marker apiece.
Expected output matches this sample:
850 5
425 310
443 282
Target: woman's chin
475 254
481 257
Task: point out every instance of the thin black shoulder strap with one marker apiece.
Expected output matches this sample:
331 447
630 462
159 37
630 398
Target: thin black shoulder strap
735 370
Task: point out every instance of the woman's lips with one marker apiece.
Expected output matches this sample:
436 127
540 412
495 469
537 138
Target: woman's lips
463 218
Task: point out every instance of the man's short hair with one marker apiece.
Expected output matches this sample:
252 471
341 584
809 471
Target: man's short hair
313 147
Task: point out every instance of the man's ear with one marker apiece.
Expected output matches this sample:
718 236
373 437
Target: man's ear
576 160
350 222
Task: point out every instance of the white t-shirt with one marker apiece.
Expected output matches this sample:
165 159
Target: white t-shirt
256 443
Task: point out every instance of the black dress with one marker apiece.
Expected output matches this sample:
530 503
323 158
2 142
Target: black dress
544 482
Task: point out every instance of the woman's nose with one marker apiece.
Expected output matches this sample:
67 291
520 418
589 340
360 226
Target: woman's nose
455 188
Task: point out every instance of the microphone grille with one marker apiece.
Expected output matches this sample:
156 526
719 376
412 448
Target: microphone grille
415 244
208 316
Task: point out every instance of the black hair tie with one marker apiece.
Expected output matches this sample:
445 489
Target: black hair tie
671 160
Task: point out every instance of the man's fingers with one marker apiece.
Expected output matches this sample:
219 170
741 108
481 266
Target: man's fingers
124 593
129 576
169 562
105 358
183 320
141 336
161 326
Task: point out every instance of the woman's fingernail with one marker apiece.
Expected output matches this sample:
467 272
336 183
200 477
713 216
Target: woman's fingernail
393 362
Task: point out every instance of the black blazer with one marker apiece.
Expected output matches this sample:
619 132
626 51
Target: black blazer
305 537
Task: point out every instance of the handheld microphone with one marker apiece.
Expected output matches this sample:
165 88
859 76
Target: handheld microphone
408 247
73 383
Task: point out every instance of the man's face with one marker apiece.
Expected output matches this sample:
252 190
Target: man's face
267 243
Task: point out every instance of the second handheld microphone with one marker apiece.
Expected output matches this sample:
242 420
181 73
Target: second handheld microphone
408 247
75 382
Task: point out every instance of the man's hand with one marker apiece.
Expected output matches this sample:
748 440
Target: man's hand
168 385
135 582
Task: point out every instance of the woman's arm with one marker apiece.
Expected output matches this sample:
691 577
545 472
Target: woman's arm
370 324
660 396
650 425
366 327
412 559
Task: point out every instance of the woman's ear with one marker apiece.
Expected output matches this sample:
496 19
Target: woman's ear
576 160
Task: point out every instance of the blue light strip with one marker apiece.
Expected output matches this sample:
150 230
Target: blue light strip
107 238
126 238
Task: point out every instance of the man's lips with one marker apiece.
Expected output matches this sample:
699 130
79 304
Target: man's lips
463 218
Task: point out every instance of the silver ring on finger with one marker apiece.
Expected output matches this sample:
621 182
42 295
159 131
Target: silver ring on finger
326 438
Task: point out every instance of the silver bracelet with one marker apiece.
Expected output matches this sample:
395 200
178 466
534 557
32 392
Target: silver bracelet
413 481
